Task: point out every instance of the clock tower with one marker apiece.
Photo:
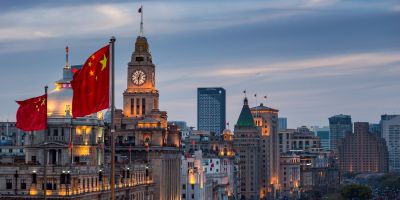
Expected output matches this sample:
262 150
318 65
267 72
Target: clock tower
141 96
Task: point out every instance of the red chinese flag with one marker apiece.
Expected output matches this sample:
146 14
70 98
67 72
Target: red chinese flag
91 84
32 114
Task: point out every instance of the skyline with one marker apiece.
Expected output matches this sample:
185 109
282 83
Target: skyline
313 59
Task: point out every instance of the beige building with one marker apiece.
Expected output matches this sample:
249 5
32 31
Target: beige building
289 177
142 132
266 120
301 139
362 151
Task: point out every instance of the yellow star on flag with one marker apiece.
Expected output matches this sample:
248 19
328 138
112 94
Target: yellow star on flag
103 63
90 63
91 73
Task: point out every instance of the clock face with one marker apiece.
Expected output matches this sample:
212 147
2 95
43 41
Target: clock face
138 77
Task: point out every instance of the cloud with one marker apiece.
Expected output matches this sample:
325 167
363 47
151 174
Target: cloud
120 18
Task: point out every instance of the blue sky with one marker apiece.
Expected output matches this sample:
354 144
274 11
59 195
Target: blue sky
312 58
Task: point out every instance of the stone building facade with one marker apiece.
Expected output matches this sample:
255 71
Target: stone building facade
142 132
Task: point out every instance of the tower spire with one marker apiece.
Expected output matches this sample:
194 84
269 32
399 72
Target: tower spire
66 58
141 19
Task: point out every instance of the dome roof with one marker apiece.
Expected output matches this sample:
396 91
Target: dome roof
227 131
59 101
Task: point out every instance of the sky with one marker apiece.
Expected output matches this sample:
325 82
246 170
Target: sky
312 58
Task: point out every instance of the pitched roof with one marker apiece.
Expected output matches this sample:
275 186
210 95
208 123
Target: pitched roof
245 117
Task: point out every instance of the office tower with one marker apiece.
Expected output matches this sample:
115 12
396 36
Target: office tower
339 125
375 129
282 123
323 134
391 133
247 146
211 109
362 151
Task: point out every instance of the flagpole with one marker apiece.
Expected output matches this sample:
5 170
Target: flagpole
45 153
112 178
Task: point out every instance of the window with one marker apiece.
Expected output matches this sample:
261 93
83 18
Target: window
23 184
184 187
55 132
132 106
143 105
137 106
8 184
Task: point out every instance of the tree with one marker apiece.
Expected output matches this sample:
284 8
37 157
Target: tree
355 191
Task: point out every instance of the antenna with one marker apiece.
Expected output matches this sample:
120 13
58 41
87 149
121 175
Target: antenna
141 19
66 58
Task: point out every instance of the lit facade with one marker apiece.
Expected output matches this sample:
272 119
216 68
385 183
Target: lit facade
66 161
143 134
266 121
247 139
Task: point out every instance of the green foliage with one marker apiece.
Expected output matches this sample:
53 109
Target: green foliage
355 191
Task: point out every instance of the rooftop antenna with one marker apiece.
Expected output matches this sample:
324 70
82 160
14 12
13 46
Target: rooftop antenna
141 19
66 58
255 96
265 99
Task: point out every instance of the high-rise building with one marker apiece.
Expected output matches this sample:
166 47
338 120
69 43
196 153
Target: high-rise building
266 120
375 129
282 123
362 151
211 109
391 133
247 146
339 125
323 134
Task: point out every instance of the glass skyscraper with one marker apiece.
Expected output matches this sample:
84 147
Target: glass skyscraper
211 109
282 123
339 125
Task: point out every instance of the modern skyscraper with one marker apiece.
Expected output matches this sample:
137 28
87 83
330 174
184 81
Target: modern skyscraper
339 125
362 151
323 134
282 123
375 129
211 109
391 133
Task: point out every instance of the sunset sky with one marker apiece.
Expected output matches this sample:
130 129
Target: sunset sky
312 58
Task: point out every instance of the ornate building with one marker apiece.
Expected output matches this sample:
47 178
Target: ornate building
266 120
66 161
142 132
247 139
